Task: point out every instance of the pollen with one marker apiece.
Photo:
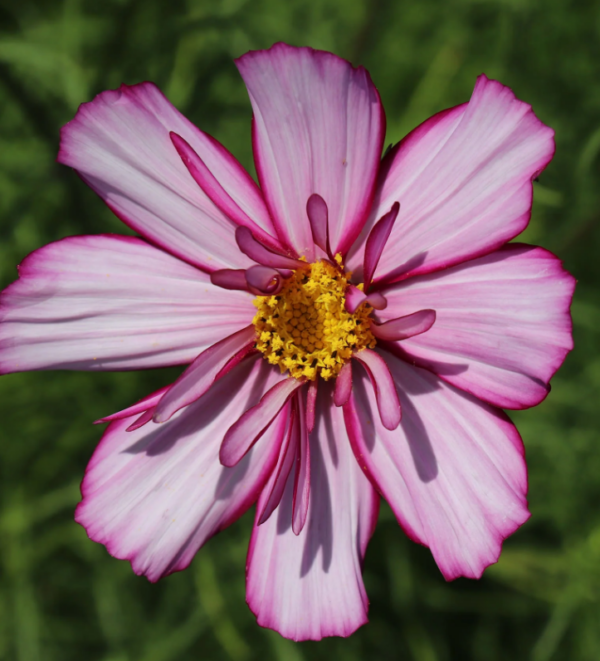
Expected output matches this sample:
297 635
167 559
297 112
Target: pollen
305 328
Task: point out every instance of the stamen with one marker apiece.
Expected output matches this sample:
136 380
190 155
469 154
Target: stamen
143 419
202 373
356 297
230 279
302 478
264 281
384 386
242 435
376 242
213 189
311 402
318 216
248 244
306 329
404 327
279 478
343 385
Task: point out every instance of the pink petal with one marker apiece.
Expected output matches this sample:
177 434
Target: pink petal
502 323
218 195
154 496
259 253
310 586
384 387
301 497
110 303
318 128
376 242
120 145
463 179
273 491
343 385
404 327
201 374
243 433
453 472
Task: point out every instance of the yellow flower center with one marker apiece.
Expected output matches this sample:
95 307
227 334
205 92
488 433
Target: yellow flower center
305 329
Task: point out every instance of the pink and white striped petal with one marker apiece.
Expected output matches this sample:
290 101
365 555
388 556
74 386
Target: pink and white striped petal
464 180
453 472
250 426
111 302
120 144
201 374
154 496
318 128
386 396
502 324
310 585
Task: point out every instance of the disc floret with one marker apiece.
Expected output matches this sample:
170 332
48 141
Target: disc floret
306 329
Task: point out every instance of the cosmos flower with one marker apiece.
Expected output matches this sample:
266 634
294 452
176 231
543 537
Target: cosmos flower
353 328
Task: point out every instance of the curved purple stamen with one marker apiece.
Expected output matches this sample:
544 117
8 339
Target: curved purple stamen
354 297
318 216
384 386
311 404
230 279
301 497
264 281
249 245
287 456
376 241
213 189
343 385
404 327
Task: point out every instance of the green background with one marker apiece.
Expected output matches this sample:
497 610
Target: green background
61 596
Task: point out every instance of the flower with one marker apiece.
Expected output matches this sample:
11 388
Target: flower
353 328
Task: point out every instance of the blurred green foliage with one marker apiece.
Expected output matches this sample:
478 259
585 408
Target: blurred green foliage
61 596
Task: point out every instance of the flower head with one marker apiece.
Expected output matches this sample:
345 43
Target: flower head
352 327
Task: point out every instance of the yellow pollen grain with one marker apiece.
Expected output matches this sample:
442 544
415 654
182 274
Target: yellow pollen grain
306 329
